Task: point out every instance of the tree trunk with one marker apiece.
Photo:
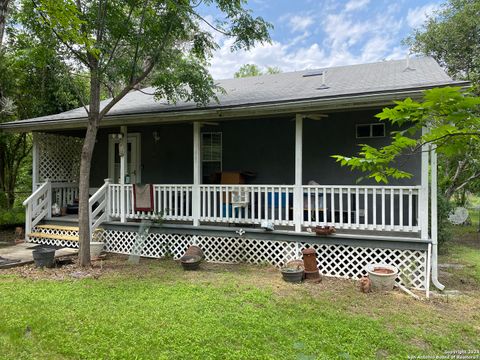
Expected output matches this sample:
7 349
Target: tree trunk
85 164
3 18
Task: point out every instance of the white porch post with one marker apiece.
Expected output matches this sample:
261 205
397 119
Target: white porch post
35 162
108 205
197 174
298 193
423 198
123 147
49 199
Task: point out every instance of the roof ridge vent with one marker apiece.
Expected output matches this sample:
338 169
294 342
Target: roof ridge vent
408 67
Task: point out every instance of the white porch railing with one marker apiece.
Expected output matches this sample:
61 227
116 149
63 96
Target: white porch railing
38 206
98 207
64 193
381 208
385 208
247 204
171 202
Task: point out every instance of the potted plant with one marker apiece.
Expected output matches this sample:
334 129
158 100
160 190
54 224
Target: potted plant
190 262
97 244
382 276
294 271
44 257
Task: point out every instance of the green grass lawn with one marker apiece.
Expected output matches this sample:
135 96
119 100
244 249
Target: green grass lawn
155 310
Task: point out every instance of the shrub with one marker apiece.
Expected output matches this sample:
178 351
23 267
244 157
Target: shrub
15 216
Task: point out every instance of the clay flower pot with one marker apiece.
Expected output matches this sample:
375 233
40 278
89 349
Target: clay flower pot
293 275
190 262
96 248
382 276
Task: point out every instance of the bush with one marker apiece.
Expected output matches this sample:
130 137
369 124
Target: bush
15 216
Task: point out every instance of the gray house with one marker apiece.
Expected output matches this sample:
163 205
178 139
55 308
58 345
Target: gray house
260 158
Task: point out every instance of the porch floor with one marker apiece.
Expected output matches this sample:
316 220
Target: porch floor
72 219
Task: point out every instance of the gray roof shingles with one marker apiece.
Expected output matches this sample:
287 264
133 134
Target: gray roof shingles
284 87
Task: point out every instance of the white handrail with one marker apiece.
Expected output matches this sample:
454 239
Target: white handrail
356 207
38 206
35 193
384 208
101 212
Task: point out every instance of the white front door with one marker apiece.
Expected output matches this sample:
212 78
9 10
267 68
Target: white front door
133 171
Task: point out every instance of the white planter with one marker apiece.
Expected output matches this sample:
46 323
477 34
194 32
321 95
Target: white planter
382 276
96 249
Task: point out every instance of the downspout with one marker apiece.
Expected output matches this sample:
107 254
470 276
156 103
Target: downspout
434 219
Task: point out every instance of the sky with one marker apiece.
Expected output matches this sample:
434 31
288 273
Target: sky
312 34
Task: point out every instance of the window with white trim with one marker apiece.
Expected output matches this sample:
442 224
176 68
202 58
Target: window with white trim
211 155
375 130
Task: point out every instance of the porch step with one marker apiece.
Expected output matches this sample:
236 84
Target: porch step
57 227
52 234
39 235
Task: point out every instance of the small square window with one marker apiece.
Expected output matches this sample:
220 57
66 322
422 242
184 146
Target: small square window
370 130
378 130
363 131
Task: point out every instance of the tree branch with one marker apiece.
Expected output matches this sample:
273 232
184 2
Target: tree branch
465 183
210 25
115 46
135 56
138 80
79 56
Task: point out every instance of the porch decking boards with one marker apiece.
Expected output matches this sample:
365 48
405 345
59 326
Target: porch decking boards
384 239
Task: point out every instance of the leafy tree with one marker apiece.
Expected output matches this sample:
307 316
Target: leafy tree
452 116
4 7
123 42
34 82
253 70
452 37
248 70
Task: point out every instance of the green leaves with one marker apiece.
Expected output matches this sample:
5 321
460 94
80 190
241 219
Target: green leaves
450 36
247 70
452 117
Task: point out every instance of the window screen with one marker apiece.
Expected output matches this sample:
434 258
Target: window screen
211 155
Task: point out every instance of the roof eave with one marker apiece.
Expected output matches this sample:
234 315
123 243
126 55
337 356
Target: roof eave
347 101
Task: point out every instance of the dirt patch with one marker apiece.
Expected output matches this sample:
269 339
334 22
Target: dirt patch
7 237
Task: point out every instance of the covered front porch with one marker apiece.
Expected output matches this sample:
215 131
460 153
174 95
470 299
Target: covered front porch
284 183
274 173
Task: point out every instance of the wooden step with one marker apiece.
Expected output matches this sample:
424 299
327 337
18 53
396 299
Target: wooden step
53 236
58 227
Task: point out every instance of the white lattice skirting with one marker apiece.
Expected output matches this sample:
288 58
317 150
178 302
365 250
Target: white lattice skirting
343 261
333 260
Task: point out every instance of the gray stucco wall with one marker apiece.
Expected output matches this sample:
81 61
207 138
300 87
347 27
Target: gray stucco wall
263 146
